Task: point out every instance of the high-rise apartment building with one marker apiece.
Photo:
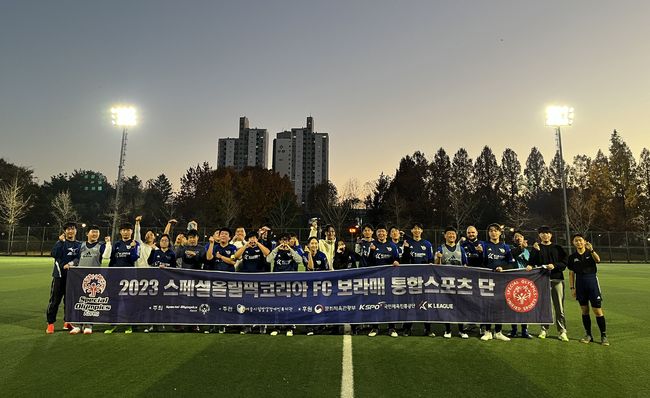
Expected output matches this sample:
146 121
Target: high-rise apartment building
249 149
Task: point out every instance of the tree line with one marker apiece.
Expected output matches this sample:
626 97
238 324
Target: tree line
607 192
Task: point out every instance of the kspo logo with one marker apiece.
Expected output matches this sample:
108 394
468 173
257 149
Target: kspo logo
521 295
93 284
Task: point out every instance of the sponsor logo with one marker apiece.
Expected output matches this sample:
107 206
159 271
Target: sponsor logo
91 305
372 307
521 295
318 308
205 308
240 308
93 284
426 306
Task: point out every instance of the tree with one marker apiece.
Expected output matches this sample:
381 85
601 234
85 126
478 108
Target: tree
536 174
582 209
488 181
63 210
375 201
158 200
13 207
642 220
555 172
512 184
622 169
439 181
462 188
600 190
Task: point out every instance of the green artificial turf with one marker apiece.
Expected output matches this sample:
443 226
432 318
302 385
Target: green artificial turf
185 364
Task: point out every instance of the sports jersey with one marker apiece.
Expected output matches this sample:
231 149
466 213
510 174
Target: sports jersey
400 249
497 255
582 264
253 260
384 254
362 249
217 264
452 255
123 255
418 252
474 257
284 260
90 254
521 256
64 252
162 257
191 257
320 261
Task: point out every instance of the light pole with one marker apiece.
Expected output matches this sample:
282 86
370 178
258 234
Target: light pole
561 116
123 117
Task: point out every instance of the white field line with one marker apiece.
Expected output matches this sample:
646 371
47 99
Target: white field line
347 375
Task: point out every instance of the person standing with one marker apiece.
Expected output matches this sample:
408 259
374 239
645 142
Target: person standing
417 251
284 259
65 253
585 287
125 253
521 255
551 257
452 253
383 252
219 256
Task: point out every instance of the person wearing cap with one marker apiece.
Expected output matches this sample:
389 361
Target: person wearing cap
551 257
65 253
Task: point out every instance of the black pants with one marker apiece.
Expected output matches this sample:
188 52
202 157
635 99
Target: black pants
57 291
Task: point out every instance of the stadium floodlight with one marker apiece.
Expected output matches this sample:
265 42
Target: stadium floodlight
124 117
561 116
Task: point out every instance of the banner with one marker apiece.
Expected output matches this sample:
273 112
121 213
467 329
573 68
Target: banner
408 293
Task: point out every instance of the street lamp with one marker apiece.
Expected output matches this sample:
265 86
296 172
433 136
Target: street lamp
123 117
561 116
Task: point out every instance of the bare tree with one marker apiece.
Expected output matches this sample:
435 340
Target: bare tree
229 207
461 206
13 207
284 211
62 209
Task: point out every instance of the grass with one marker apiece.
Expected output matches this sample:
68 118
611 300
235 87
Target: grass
183 364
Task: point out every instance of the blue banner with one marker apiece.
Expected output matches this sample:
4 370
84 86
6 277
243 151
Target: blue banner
408 293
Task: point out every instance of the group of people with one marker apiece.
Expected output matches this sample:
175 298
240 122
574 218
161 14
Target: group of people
261 251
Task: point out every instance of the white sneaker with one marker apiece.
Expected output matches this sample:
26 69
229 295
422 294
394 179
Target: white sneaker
486 336
563 337
75 330
310 333
542 334
393 333
447 335
88 330
501 336
372 333
289 333
274 333
463 335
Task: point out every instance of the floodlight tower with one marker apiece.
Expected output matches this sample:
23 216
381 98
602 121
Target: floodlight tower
561 116
123 117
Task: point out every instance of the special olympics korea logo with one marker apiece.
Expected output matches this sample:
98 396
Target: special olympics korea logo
93 284
521 295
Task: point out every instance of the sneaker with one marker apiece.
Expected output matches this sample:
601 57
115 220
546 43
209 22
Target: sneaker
128 330
587 339
373 333
542 334
88 330
486 336
406 332
310 333
50 328
263 329
111 330
222 330
513 334
75 330
526 335
447 335
290 333
604 341
392 333
501 336
563 337
246 330
274 333
149 329
463 335
431 333
67 326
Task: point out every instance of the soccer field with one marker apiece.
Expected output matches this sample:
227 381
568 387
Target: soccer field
184 364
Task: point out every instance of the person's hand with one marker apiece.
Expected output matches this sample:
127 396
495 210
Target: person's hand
498 269
524 244
406 244
479 248
373 247
536 246
438 255
190 253
138 219
161 266
133 243
589 246
172 221
62 237
314 225
550 267
219 256
395 263
529 268
67 266
107 239
211 239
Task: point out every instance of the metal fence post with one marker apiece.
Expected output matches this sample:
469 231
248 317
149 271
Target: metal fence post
609 243
27 241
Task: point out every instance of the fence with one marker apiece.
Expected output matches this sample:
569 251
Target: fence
628 247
